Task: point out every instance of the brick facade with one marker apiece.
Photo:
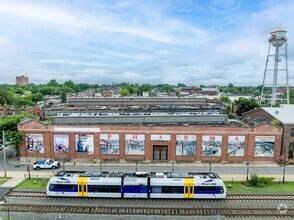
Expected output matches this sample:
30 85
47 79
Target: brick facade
262 116
171 133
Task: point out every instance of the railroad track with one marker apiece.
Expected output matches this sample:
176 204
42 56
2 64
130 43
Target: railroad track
92 210
231 196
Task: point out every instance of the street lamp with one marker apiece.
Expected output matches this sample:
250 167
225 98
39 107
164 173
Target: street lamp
247 164
284 171
28 168
4 154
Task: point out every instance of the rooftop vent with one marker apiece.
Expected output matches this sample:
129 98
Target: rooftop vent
276 112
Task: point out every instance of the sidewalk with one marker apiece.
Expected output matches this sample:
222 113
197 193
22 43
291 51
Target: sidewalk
81 162
19 176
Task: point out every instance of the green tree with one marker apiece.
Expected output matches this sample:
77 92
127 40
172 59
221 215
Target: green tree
245 105
225 99
20 91
9 126
6 97
63 90
124 92
72 85
36 97
84 86
22 101
49 90
53 82
181 85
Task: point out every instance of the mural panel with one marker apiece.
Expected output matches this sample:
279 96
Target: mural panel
135 144
109 143
61 143
85 143
236 145
211 145
34 143
186 145
264 146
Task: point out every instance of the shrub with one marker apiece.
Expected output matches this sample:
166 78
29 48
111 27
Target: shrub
257 181
254 179
275 122
266 180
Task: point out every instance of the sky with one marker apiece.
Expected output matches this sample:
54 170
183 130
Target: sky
195 42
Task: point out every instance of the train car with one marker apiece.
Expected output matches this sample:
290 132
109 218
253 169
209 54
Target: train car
187 186
137 185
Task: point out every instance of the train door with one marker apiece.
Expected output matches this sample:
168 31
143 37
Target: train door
83 187
189 188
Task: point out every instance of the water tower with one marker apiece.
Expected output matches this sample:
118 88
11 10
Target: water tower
276 70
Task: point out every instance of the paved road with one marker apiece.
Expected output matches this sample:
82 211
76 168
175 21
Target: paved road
227 171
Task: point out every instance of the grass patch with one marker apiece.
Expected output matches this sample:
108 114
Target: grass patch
274 187
4 180
33 183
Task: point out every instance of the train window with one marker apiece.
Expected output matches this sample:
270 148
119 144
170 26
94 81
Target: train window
60 187
186 189
143 189
85 188
176 189
80 188
156 189
70 187
201 188
191 189
103 188
166 189
51 187
113 189
211 189
93 188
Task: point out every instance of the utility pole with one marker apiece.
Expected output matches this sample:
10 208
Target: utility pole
247 164
4 154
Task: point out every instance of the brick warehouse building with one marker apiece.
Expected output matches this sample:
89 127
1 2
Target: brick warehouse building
150 142
284 115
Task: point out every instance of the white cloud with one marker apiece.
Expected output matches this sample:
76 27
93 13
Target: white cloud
38 13
76 63
3 41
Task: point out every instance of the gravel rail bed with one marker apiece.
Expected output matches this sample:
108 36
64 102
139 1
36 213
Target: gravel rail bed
231 196
228 212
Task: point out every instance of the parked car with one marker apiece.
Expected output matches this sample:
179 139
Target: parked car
46 164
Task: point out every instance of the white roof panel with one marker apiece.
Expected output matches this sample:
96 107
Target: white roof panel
284 113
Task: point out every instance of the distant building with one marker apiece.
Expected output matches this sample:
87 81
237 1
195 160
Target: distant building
145 94
283 114
22 80
210 91
107 93
87 93
172 94
185 91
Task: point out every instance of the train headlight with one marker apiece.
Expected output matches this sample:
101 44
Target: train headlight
221 189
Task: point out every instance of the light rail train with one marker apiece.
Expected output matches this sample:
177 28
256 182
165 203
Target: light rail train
137 185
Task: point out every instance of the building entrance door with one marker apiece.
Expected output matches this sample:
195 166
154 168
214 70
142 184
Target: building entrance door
291 151
159 152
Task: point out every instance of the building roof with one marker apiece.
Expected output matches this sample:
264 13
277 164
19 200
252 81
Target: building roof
210 89
284 113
